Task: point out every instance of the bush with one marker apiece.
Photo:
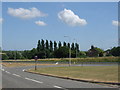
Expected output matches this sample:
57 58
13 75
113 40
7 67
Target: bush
62 52
5 57
115 51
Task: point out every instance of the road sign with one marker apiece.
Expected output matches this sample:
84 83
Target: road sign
36 62
36 58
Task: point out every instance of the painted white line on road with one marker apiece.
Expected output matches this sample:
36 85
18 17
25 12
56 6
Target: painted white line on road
0 66
7 72
23 70
33 80
2 69
16 75
57 86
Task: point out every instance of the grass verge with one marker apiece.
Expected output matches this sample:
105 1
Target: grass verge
90 73
21 64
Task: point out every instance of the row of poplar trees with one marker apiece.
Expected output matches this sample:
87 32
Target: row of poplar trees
52 49
44 49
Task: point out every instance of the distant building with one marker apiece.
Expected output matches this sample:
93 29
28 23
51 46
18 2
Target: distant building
93 52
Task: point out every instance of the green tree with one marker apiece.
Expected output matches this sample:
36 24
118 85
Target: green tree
55 45
115 51
51 46
73 53
47 53
18 55
41 54
47 44
4 56
42 45
82 54
68 45
77 47
33 53
38 46
72 46
51 50
10 54
27 54
64 44
59 44
62 52
100 51
21 55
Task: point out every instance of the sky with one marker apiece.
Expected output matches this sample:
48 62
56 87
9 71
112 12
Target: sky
88 23
0 25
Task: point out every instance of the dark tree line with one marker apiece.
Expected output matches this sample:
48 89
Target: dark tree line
53 49
49 49
44 49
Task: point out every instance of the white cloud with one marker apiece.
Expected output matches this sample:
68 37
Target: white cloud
1 20
68 17
40 23
115 23
26 13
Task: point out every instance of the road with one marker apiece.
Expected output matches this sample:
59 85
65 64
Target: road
15 77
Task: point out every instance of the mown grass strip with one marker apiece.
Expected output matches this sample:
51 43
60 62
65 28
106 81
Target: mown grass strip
90 73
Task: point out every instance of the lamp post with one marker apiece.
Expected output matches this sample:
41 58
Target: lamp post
69 52
76 46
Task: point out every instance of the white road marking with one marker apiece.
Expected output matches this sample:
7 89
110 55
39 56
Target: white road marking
33 80
56 63
7 72
2 69
0 66
23 70
16 75
57 86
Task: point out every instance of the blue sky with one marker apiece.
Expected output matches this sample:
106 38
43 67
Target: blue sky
0 25
20 33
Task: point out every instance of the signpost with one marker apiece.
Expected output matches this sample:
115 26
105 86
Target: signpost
36 62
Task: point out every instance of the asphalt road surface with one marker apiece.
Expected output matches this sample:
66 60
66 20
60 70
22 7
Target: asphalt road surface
15 77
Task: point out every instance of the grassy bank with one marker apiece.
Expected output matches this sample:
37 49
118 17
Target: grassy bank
92 73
